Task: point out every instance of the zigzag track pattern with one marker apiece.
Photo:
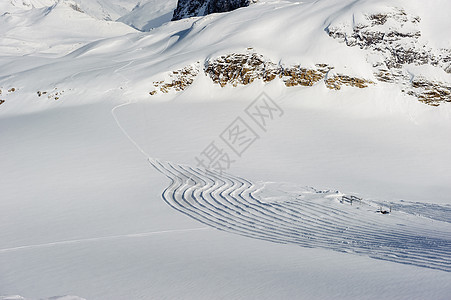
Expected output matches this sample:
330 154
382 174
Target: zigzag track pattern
314 220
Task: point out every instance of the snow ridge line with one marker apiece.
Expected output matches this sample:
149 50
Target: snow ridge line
227 203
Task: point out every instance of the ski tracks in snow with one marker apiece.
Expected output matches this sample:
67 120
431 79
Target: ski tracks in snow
98 239
314 220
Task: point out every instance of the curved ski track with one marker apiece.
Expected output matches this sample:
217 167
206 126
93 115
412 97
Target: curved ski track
314 220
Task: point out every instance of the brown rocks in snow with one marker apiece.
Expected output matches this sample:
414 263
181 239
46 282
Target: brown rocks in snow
178 80
244 68
240 68
431 92
236 69
337 81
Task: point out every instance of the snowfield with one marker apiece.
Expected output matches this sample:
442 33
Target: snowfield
108 120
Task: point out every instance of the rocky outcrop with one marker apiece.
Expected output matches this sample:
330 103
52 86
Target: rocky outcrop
54 94
395 38
177 80
194 8
235 69
337 81
398 43
430 92
244 68
6 93
297 75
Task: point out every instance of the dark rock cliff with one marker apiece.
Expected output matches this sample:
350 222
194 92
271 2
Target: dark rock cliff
194 8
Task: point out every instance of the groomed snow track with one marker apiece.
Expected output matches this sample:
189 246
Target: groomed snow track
314 220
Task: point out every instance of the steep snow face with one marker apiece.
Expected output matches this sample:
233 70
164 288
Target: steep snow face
194 8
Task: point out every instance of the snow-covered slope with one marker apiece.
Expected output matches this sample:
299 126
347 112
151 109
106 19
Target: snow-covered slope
339 190
142 15
150 14
56 29
403 59
102 9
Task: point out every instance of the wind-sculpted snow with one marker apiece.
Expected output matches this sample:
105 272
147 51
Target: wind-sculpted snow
314 219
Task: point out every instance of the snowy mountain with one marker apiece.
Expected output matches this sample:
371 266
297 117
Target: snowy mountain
247 149
148 15
38 30
101 9
391 43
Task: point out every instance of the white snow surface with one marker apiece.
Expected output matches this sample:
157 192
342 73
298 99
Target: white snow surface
102 198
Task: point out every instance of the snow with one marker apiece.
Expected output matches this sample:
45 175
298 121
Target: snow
39 30
83 178
151 14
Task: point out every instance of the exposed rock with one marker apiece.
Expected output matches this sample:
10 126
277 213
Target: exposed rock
178 80
189 8
8 91
243 69
398 44
385 75
219 6
337 81
75 7
55 94
194 8
297 75
430 92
